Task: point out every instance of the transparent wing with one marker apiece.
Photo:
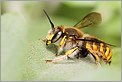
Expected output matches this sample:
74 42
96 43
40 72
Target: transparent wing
90 19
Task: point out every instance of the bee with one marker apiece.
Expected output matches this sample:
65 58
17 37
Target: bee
77 44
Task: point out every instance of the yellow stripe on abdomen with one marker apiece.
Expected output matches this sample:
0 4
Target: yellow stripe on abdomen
107 51
88 46
110 59
95 47
102 48
109 55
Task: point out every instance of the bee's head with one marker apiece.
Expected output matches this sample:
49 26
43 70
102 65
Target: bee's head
54 33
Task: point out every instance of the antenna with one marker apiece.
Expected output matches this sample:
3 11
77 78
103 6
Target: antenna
52 25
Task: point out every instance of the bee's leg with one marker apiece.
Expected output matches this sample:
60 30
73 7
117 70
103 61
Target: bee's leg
70 53
57 59
96 60
95 56
60 49
61 45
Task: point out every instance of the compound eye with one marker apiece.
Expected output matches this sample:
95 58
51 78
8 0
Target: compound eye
57 36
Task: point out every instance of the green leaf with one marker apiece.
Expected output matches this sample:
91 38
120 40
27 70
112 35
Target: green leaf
26 61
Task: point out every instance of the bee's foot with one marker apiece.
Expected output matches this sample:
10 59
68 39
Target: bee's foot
48 61
98 64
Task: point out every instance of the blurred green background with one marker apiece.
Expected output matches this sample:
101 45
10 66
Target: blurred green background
23 55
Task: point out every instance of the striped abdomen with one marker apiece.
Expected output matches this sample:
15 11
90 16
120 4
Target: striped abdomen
101 50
